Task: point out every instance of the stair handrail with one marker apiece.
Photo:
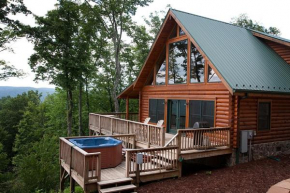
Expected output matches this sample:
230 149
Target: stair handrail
171 140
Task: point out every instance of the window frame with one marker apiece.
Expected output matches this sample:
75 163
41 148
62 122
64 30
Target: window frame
270 115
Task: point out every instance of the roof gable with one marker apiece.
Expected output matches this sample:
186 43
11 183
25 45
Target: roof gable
244 62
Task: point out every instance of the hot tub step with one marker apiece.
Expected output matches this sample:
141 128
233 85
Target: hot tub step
118 188
116 181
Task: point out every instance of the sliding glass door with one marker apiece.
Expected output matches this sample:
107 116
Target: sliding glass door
176 115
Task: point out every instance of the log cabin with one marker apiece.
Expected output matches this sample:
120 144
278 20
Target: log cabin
201 69
236 81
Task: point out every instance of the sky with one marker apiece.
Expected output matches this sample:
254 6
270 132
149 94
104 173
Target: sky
266 12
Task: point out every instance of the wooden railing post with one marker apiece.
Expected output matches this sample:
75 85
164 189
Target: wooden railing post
134 142
148 136
162 136
99 167
111 126
128 164
100 125
86 169
128 131
179 143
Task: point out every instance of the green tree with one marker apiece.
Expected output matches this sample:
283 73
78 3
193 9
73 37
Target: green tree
244 21
10 30
62 49
116 19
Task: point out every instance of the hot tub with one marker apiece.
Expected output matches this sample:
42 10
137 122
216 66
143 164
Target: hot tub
110 148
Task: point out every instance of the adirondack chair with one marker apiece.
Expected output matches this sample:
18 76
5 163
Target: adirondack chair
159 123
147 120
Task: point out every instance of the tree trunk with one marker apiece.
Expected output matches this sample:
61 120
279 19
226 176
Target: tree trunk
69 112
118 73
80 108
87 96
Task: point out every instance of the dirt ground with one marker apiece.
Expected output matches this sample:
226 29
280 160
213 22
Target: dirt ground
256 176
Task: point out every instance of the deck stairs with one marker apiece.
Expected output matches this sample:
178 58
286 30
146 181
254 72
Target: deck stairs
117 185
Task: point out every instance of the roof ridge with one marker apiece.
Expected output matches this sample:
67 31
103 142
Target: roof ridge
210 19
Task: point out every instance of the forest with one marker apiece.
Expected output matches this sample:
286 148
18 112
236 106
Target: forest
90 50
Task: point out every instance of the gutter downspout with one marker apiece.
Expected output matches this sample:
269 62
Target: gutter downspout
238 127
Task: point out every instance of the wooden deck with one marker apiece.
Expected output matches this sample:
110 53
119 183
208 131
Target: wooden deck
162 153
114 173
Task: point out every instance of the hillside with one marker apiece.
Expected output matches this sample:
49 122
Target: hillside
14 91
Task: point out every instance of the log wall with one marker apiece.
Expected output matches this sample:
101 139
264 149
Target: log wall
280 118
215 91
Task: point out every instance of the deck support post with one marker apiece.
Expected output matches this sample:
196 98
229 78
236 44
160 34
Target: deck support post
127 108
62 179
72 184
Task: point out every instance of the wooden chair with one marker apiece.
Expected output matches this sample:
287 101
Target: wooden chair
147 120
159 123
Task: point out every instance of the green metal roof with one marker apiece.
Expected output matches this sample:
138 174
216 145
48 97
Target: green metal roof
244 61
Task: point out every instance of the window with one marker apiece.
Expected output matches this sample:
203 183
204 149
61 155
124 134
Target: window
156 110
264 116
212 76
173 33
181 32
196 65
201 111
177 62
161 69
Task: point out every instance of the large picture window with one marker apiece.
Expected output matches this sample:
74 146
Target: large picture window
264 115
196 65
201 111
156 110
177 62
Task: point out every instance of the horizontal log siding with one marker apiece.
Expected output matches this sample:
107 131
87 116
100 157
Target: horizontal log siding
280 118
282 50
216 92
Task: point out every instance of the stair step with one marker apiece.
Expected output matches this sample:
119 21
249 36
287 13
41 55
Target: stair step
118 188
116 181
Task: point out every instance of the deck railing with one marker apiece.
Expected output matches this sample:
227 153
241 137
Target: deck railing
145 133
154 159
206 138
80 163
132 116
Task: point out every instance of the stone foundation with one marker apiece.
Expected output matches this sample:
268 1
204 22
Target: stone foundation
260 151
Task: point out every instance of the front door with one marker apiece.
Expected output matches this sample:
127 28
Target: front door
176 115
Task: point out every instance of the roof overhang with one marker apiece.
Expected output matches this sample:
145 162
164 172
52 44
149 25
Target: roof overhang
271 38
129 92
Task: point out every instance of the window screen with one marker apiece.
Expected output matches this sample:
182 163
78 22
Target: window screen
201 111
156 110
264 115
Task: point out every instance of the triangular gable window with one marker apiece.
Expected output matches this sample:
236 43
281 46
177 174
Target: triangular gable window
212 76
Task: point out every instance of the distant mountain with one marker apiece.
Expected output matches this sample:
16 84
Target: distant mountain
14 91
